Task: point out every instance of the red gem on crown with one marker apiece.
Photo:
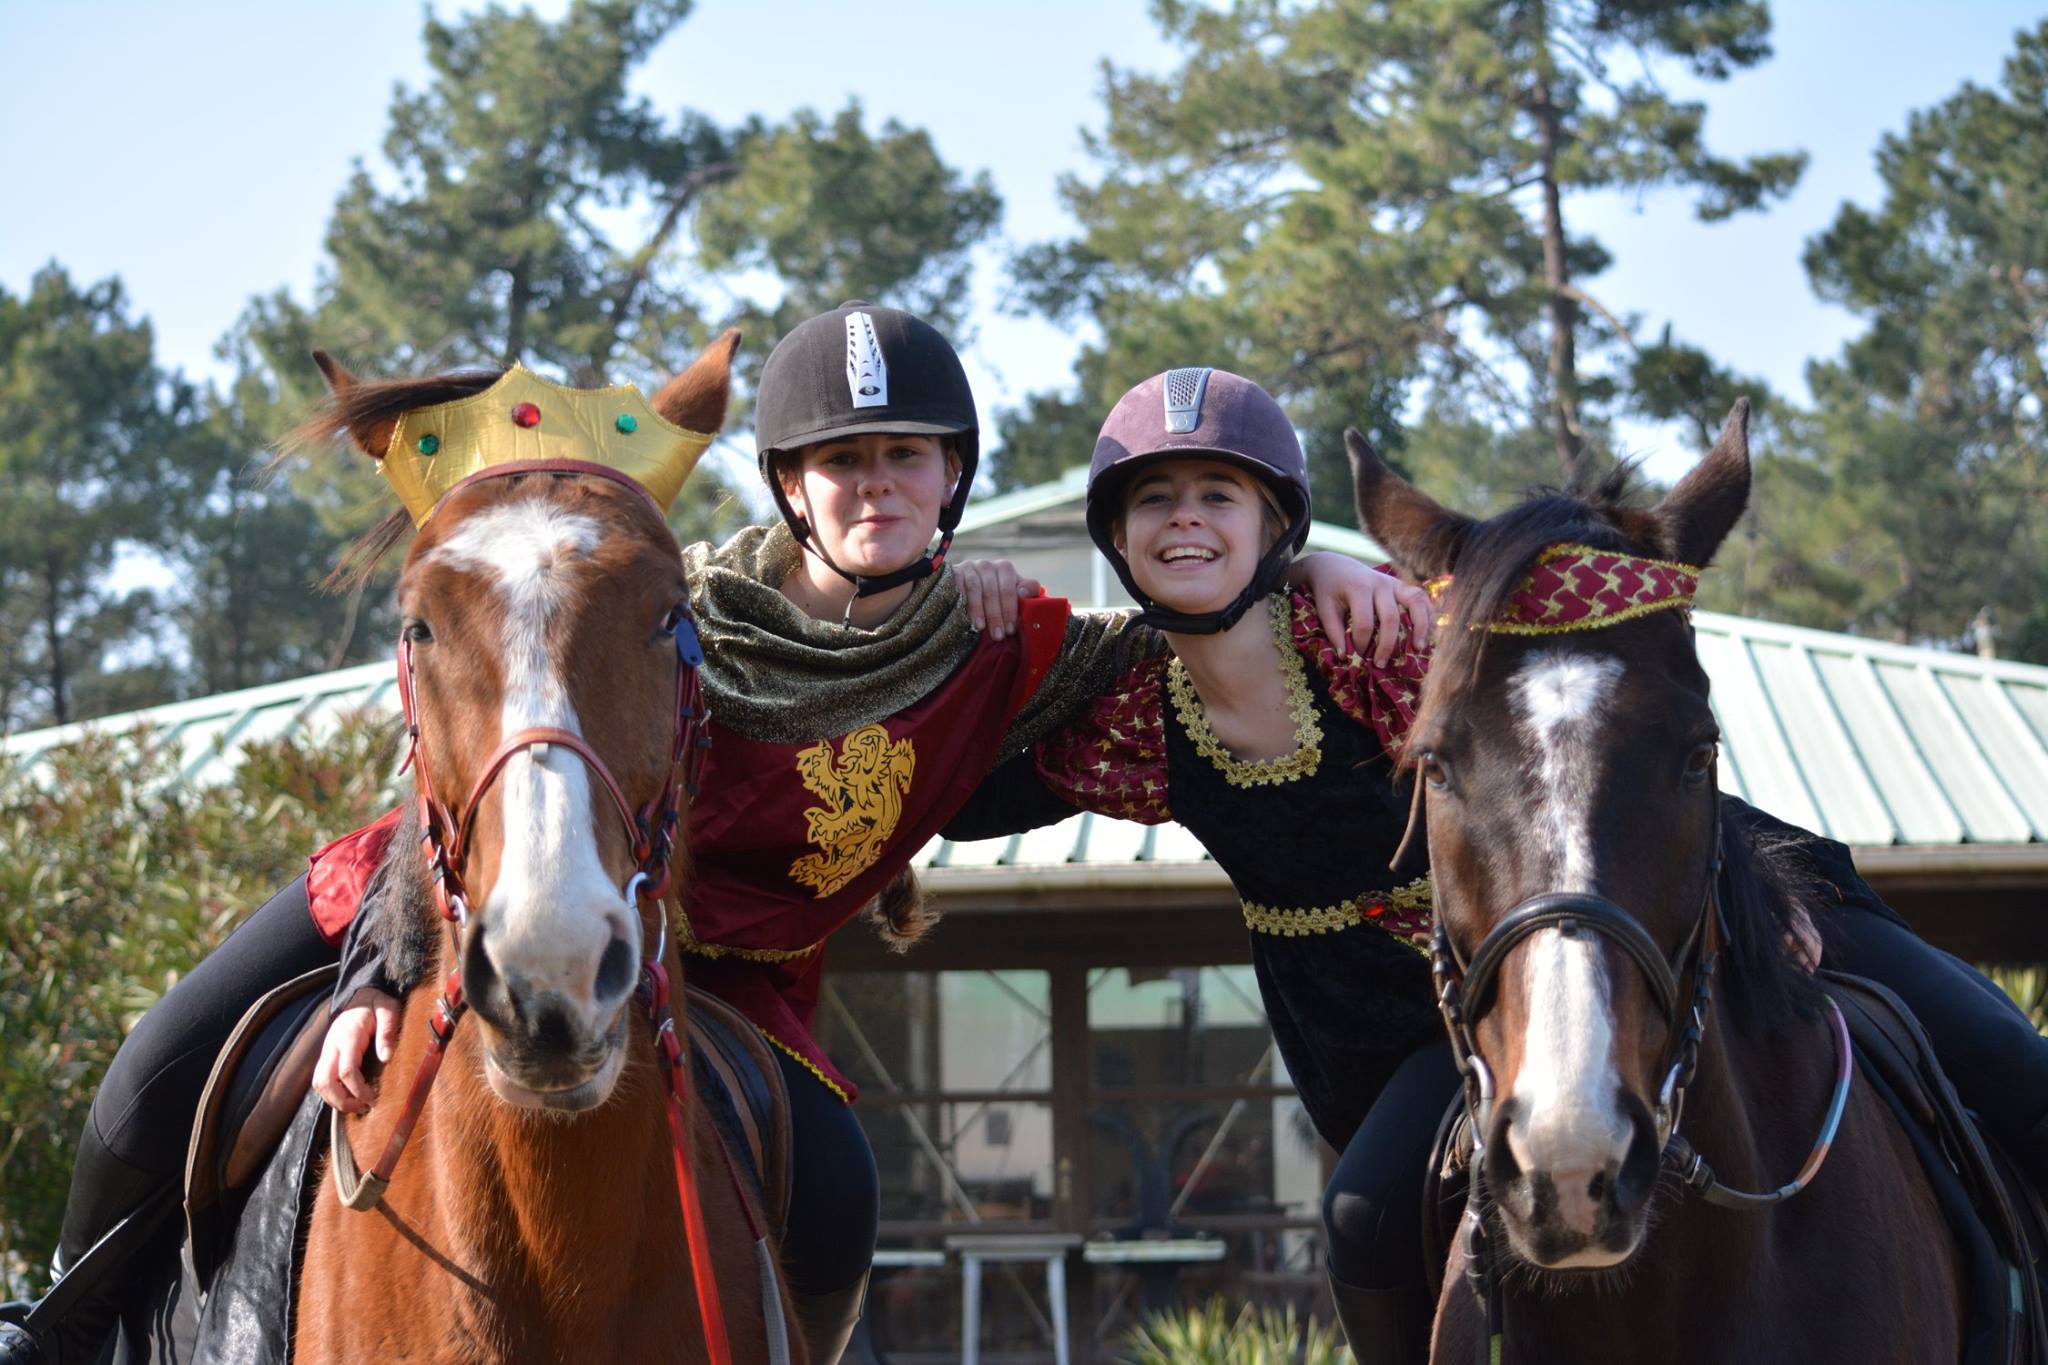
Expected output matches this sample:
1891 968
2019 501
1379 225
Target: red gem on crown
526 414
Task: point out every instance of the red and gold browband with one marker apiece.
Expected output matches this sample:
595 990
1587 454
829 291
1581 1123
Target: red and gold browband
1576 587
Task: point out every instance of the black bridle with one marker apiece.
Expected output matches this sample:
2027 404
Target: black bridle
1467 990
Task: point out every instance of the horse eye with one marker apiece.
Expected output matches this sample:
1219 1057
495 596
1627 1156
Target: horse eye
1434 772
672 622
1699 763
417 632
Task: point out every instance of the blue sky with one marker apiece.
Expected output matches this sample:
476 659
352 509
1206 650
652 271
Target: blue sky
196 149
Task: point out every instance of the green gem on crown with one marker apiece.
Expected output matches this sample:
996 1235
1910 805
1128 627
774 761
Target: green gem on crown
428 443
627 423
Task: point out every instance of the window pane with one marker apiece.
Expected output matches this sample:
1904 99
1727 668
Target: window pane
1180 1026
923 1032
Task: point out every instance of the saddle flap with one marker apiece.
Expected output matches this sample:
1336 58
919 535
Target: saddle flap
740 1082
259 1079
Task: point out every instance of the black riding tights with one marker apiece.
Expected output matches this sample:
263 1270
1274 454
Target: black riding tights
835 1197
133 1146
1372 1210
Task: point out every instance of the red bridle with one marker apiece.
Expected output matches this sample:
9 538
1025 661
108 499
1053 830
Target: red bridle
651 830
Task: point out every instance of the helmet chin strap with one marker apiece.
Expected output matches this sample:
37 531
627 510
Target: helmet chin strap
1266 580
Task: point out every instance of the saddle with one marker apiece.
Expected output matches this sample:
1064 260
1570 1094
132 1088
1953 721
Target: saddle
261 1079
1993 1210
1995 1214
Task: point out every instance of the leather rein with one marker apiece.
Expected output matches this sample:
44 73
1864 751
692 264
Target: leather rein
651 829
1466 991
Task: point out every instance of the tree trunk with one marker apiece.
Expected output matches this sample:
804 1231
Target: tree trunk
60 707
628 296
516 304
1564 311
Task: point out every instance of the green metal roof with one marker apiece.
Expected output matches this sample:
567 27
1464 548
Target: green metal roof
1872 743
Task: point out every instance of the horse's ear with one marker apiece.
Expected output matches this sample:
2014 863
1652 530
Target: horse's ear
695 399
1424 537
371 434
1696 516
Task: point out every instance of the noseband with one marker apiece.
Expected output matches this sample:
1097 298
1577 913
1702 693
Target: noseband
651 830
1466 992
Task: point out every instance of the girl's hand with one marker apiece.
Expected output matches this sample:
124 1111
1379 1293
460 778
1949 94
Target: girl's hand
1362 607
990 589
338 1075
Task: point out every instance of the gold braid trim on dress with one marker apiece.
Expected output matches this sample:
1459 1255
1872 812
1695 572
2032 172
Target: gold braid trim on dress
808 1065
1417 896
1301 704
687 940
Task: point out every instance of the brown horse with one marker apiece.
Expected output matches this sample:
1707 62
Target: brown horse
535 1215
1567 774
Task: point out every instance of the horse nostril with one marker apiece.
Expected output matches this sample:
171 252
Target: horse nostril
1502 1169
482 986
1639 1168
614 971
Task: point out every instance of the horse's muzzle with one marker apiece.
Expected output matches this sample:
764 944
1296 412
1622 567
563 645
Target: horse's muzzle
1587 1210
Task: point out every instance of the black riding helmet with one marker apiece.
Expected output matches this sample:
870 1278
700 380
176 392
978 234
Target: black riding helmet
858 369
1208 414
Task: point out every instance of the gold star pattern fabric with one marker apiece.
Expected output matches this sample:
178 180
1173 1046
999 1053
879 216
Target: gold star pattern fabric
1383 698
1112 758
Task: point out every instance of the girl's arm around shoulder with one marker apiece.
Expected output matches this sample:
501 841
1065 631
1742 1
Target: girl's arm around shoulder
1381 695
1110 758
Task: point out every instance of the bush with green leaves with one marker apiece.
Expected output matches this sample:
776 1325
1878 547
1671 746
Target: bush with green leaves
115 878
1214 1334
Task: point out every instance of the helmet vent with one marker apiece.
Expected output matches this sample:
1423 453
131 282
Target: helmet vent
867 373
1183 393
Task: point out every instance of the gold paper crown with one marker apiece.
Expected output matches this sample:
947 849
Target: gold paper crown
523 417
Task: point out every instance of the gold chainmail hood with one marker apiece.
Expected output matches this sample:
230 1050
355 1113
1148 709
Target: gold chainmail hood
777 675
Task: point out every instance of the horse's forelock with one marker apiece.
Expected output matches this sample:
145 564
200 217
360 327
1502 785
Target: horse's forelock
359 407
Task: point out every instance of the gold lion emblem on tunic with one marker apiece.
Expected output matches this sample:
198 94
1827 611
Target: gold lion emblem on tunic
863 786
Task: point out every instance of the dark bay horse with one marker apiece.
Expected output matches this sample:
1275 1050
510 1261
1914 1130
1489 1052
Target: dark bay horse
536 1215
1582 876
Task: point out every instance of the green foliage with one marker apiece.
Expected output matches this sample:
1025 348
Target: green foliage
91 437
2028 987
1930 427
115 880
529 208
1214 1335
837 213
1360 204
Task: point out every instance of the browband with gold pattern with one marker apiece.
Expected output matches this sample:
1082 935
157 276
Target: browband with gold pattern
1576 587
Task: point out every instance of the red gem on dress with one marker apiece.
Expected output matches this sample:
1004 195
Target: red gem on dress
526 414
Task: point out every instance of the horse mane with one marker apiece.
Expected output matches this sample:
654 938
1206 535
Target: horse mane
362 406
1766 880
397 916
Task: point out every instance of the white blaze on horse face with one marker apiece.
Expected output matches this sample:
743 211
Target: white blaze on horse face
1568 1124
553 908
